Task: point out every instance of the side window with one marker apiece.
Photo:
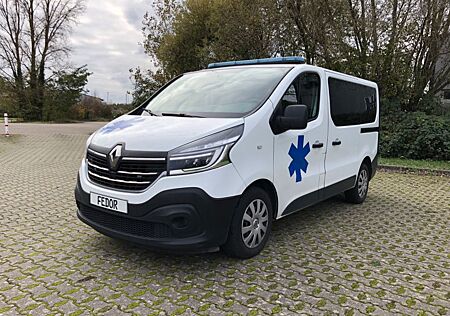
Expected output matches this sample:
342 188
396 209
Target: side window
446 94
290 96
351 103
309 93
304 90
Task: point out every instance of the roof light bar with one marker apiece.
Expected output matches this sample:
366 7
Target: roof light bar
275 60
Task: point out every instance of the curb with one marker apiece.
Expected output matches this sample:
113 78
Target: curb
421 171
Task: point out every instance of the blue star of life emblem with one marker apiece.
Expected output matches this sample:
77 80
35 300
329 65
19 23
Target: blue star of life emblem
298 155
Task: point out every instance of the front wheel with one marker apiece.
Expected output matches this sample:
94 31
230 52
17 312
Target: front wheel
251 225
358 193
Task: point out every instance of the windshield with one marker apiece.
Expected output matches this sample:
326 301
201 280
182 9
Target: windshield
218 93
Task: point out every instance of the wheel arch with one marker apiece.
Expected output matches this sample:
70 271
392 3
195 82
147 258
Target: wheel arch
268 187
368 162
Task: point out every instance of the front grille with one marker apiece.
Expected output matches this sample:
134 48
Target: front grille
133 174
126 225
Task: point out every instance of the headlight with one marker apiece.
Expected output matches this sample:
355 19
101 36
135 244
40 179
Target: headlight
206 153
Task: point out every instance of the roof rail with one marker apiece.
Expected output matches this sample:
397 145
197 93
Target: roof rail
263 61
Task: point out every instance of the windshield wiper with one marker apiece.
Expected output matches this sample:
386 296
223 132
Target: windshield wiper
150 112
180 115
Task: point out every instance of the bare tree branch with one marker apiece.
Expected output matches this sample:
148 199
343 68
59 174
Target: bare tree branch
32 35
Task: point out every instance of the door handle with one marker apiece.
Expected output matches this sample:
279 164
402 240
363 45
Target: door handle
336 142
317 145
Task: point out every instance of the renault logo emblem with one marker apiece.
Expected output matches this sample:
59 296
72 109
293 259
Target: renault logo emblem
114 157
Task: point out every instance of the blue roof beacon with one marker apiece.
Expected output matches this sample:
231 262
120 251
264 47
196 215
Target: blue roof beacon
275 60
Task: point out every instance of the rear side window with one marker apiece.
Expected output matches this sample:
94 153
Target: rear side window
352 103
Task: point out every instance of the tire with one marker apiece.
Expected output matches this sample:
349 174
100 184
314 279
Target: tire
247 237
358 193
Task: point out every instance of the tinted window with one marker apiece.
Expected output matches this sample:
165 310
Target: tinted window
304 90
447 94
352 103
231 92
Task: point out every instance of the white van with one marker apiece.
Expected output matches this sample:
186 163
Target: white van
215 156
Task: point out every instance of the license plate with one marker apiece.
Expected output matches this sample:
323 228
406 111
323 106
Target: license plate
109 203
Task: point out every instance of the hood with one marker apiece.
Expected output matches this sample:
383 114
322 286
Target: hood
158 133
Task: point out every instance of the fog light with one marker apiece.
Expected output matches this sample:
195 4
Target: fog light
180 222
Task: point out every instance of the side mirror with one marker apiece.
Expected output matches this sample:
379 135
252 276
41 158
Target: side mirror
295 117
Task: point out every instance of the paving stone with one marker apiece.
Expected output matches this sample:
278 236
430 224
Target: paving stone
388 255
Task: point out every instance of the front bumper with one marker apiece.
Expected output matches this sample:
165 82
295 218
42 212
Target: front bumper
179 219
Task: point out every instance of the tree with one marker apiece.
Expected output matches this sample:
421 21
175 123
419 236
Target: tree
155 28
32 42
146 82
186 36
11 55
245 29
5 97
63 91
397 43
430 44
318 29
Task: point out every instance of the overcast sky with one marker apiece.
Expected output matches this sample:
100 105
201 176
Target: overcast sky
106 39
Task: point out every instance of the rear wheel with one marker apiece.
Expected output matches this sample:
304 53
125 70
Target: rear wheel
251 225
358 193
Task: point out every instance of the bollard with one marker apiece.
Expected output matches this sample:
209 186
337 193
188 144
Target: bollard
6 124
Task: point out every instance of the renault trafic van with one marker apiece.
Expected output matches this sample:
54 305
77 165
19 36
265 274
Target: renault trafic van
215 156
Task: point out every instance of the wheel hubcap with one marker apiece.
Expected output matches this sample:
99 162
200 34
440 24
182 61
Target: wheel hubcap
363 183
254 223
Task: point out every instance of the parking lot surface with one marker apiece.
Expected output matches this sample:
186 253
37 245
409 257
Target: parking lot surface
388 255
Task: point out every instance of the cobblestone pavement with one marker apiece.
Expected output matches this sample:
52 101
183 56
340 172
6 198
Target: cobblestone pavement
388 255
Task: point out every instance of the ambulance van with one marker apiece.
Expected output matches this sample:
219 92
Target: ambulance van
215 156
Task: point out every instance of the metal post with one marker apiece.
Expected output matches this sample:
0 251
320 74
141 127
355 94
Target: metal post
6 124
